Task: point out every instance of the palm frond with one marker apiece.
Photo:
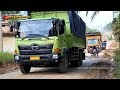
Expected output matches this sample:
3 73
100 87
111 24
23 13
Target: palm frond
93 15
86 13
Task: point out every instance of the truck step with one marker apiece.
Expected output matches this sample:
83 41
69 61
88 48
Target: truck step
74 56
74 59
74 52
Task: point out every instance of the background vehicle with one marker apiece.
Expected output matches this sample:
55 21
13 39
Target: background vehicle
104 43
93 39
36 48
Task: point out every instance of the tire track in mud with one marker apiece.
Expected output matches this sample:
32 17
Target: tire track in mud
51 73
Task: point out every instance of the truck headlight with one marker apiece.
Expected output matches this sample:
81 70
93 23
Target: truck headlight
55 56
16 57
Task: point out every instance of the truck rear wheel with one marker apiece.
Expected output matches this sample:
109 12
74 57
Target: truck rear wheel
104 48
77 63
25 69
80 59
63 66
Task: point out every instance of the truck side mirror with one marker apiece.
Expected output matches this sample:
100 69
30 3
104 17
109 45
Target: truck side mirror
62 22
62 27
16 26
11 28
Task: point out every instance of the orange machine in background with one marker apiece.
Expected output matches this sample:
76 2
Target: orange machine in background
93 39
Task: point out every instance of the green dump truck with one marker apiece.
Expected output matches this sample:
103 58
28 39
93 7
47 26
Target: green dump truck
50 39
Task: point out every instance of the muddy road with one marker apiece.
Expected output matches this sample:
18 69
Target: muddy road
84 72
87 71
52 73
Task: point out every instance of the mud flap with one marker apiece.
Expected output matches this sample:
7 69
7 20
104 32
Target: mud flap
83 56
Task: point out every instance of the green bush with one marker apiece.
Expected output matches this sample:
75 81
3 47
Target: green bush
117 55
117 59
110 37
6 57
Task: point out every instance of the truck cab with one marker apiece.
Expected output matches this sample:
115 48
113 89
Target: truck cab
37 41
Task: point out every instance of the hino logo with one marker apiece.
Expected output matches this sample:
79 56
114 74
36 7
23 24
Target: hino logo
34 46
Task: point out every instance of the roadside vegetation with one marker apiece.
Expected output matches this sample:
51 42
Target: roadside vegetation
116 32
91 30
117 59
6 57
7 63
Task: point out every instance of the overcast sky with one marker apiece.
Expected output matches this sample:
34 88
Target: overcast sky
100 20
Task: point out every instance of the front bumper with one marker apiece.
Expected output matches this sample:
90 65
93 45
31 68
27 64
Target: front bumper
45 60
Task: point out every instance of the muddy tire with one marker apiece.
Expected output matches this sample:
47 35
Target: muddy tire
77 63
103 48
63 66
80 60
25 69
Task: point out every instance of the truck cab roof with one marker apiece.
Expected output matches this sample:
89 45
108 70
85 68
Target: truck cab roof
93 33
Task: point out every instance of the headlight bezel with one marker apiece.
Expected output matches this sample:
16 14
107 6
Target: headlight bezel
55 56
16 57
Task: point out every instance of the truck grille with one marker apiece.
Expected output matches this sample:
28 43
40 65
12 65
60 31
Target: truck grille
36 50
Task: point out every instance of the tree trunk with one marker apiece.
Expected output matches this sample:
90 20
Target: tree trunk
119 41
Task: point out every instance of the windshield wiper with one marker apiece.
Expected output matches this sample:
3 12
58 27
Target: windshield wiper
24 37
41 35
32 35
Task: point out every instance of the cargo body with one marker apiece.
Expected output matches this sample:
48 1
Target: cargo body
36 47
93 39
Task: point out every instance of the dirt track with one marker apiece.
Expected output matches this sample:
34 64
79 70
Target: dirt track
89 70
51 73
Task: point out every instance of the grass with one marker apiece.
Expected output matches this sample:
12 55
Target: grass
6 57
110 38
117 59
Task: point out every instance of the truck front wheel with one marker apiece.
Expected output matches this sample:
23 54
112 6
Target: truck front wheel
25 69
63 66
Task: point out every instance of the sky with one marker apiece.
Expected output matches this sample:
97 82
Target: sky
99 21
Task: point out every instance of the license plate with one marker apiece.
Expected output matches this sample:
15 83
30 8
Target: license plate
35 58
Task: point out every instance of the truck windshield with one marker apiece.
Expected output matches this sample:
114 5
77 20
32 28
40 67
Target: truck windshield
35 28
92 41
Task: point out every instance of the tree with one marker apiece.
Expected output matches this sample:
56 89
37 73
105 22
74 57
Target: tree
93 15
108 27
116 28
9 12
91 30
